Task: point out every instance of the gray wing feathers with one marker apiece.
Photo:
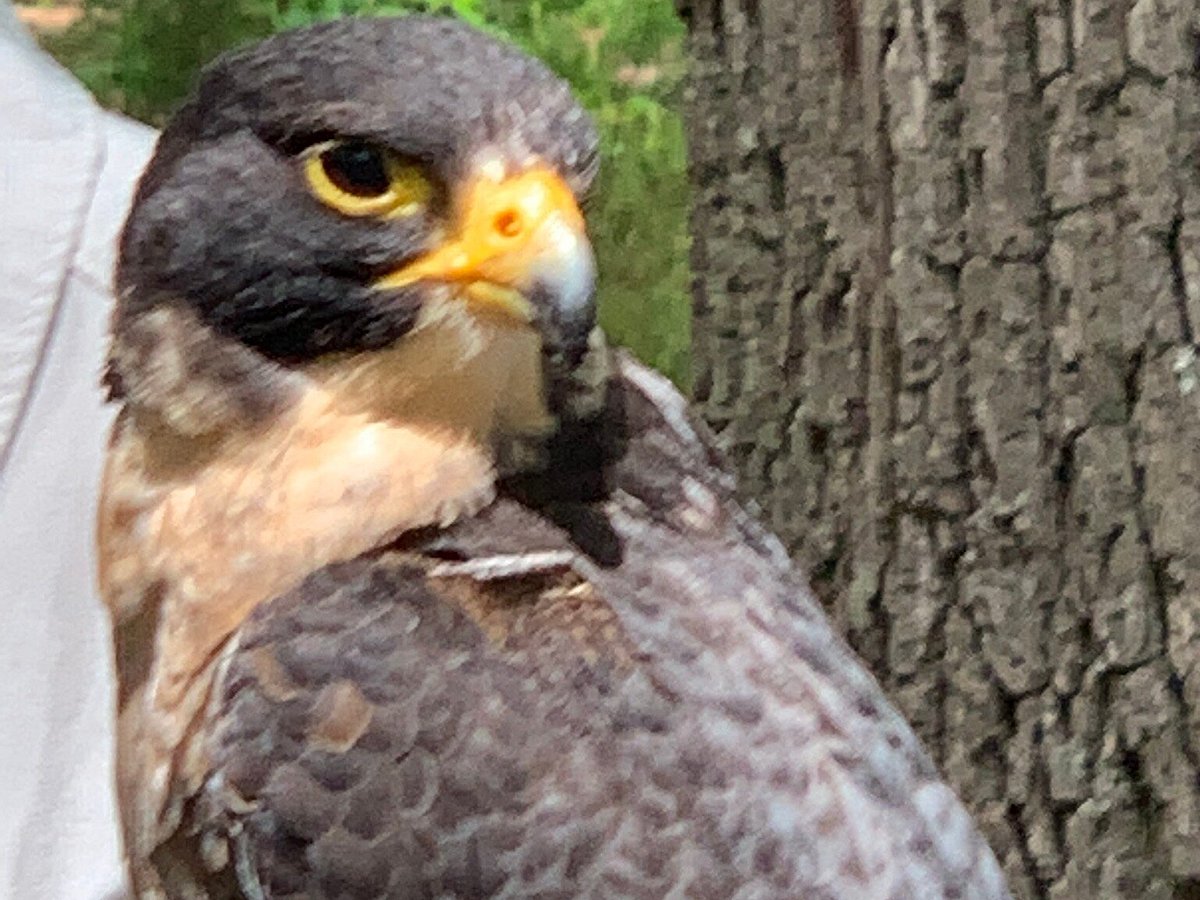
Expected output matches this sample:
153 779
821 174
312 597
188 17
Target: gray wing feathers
680 721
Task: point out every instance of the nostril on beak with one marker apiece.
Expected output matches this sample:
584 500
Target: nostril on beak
508 223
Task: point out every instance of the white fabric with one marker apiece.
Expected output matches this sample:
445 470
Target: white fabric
66 173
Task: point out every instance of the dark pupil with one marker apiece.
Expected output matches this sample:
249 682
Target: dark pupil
357 169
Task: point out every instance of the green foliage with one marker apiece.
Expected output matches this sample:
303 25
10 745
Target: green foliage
304 12
141 56
623 57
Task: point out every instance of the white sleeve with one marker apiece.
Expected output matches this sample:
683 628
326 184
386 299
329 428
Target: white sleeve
66 173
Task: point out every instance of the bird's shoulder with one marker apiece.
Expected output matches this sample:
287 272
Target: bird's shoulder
623 692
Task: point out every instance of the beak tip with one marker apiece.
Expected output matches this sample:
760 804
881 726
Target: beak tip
565 297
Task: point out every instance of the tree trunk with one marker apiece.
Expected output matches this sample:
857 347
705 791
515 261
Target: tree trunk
947 260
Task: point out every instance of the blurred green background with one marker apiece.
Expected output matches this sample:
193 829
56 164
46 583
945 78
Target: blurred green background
625 59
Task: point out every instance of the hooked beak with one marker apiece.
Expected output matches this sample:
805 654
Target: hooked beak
520 251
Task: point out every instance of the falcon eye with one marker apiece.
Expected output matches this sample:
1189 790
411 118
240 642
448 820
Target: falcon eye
357 169
358 178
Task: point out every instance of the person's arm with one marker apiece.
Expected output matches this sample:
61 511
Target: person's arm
67 170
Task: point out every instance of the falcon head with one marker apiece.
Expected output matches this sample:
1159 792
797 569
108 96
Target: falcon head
332 192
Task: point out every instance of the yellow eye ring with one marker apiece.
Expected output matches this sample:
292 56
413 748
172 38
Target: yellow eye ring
360 179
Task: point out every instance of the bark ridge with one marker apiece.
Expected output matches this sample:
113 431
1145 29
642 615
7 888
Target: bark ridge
948 270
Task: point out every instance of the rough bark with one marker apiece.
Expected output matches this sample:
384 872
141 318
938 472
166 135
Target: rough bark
948 274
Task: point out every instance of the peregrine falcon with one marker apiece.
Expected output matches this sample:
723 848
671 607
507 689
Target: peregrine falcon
417 589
